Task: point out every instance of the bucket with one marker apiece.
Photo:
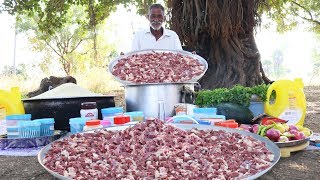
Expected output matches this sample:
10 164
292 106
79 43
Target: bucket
146 97
289 102
256 108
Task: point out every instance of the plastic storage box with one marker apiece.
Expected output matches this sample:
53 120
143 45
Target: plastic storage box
29 129
12 124
46 127
207 116
109 113
77 124
135 115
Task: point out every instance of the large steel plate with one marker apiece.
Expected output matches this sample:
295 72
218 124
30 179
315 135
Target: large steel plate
293 142
185 53
269 144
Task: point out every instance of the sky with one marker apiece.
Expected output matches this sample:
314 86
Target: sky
297 45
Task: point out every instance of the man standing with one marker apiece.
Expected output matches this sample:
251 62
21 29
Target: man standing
156 36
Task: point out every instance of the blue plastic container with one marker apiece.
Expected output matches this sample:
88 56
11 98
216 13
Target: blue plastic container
29 129
135 115
205 110
12 124
77 124
109 113
256 108
46 127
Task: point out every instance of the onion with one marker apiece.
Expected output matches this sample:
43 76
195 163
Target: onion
293 127
283 139
255 128
246 127
273 134
299 135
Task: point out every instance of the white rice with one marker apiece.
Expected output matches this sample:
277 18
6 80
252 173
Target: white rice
68 90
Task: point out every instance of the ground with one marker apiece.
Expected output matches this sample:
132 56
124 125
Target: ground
301 165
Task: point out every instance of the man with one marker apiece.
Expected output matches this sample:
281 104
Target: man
156 36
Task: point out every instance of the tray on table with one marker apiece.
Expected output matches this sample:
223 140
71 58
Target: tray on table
269 144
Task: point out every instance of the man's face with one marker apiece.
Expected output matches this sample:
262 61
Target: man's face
156 18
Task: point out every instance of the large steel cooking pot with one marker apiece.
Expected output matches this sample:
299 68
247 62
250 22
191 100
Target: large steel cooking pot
148 97
62 109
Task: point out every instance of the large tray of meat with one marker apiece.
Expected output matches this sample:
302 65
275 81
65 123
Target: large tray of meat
158 66
154 150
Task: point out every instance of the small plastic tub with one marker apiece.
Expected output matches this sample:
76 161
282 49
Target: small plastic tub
12 124
105 123
206 111
231 123
29 129
77 124
46 127
135 116
121 119
109 113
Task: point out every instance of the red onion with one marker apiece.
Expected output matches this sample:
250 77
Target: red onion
273 134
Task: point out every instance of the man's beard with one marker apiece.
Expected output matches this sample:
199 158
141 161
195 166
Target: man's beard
155 25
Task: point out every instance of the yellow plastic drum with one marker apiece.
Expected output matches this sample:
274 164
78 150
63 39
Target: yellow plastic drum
289 102
11 101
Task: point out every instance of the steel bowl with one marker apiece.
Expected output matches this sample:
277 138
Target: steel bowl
293 142
185 53
269 144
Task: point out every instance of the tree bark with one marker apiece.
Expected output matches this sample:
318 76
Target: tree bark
223 33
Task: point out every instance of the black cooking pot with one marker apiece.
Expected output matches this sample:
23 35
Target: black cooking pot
62 109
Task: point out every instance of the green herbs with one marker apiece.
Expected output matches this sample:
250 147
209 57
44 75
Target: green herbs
237 94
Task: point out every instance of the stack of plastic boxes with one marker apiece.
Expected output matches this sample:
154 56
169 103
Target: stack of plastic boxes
135 116
12 122
207 116
46 126
29 129
77 124
109 113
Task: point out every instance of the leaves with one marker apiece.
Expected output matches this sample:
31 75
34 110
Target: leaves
289 13
237 94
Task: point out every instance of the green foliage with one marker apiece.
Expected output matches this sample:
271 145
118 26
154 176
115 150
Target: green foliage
53 14
71 45
289 13
237 94
21 71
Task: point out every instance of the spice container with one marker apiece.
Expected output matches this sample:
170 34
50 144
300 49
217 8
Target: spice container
89 110
91 125
135 115
77 124
46 126
121 119
109 113
29 129
105 123
12 124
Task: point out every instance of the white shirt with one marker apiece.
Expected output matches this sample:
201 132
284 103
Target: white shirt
145 40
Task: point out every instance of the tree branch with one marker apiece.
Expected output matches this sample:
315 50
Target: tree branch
75 47
47 43
311 19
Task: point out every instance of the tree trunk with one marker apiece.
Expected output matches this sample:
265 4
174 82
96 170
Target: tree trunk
223 33
95 50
